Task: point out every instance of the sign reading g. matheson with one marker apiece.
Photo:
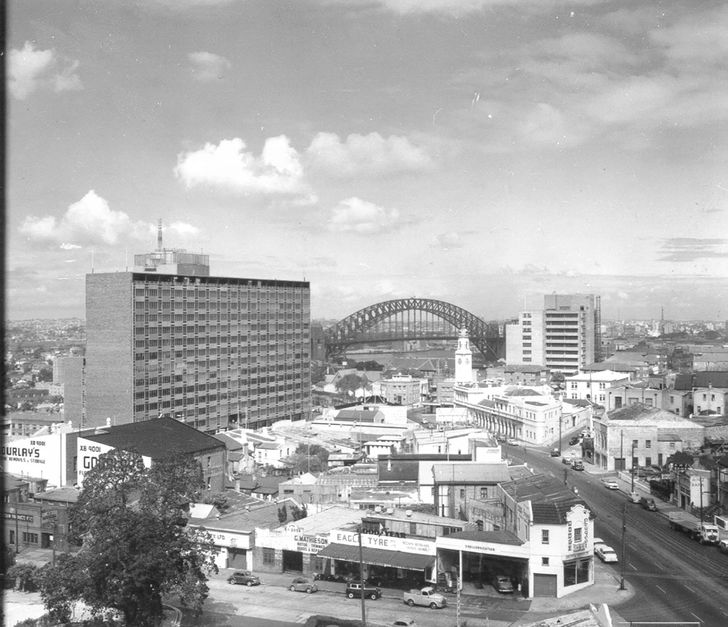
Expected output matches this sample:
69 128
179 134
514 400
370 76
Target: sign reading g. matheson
42 457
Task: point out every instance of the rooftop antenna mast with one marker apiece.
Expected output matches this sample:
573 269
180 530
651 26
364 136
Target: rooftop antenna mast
159 236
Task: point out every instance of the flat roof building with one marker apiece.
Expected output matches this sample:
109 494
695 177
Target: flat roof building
210 351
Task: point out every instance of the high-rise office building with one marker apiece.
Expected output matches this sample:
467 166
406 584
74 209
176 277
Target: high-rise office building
563 333
211 351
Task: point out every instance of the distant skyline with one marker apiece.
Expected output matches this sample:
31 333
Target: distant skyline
471 151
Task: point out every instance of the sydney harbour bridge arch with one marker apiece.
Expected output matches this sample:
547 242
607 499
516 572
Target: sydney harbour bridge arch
413 319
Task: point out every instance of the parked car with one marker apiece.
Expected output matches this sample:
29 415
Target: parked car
597 542
574 440
648 503
244 577
578 465
611 484
567 460
723 546
354 590
302 584
503 584
556 452
606 553
512 441
404 621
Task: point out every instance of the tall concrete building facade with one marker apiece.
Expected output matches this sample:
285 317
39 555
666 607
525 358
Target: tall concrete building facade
563 333
211 351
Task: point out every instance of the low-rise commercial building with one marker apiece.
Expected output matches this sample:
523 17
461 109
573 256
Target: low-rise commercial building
593 386
637 435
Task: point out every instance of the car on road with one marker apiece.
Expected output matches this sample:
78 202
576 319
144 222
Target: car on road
556 452
723 546
574 440
567 460
302 584
578 465
503 584
610 484
597 542
354 590
404 621
606 553
244 577
648 503
512 442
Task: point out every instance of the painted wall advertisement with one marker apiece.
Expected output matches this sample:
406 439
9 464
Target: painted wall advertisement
87 456
291 539
40 457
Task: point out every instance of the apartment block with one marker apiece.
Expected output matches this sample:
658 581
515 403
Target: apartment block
563 333
210 351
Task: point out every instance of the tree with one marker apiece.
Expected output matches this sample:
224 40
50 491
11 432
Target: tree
135 548
282 514
350 383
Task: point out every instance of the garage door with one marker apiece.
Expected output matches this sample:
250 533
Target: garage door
544 585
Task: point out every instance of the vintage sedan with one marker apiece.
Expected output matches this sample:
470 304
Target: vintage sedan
302 584
244 577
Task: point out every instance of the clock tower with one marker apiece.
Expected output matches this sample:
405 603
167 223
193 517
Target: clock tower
463 359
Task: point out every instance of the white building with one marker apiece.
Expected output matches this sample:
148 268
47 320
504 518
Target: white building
529 414
562 333
593 386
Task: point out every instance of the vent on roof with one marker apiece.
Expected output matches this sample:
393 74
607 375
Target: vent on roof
390 510
377 508
408 513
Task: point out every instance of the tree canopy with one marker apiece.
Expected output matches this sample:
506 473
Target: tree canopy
135 547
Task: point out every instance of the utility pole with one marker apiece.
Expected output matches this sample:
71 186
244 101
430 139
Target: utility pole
701 500
459 588
633 468
624 545
361 581
621 448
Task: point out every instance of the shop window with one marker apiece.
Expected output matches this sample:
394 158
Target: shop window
269 556
576 572
30 538
544 536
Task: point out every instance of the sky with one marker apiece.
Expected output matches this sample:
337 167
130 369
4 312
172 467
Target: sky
472 151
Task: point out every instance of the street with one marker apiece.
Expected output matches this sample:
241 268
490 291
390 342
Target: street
675 578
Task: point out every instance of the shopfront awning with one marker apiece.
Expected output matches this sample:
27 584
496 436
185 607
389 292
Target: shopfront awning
378 557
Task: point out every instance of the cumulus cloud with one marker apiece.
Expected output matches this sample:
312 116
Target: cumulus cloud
91 221
228 166
31 70
207 66
365 154
359 216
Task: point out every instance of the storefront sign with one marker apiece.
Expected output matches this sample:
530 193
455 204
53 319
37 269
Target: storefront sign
291 538
229 539
310 544
390 543
21 517
488 548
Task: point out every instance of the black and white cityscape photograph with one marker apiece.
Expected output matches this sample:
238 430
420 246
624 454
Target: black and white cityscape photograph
365 313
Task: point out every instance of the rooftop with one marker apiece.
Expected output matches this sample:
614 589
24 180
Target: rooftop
470 472
156 438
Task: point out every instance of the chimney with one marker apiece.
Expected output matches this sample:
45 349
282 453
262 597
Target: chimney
159 235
